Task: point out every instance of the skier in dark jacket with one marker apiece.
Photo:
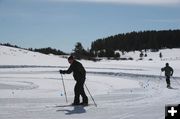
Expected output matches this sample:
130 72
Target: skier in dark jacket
79 74
168 73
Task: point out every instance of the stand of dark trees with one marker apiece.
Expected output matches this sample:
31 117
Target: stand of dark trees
49 50
153 40
9 45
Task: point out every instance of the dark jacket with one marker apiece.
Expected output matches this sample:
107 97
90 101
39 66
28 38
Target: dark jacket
168 71
79 73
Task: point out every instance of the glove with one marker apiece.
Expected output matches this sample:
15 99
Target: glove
61 71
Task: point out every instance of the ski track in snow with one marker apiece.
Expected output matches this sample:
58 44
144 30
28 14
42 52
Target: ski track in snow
25 95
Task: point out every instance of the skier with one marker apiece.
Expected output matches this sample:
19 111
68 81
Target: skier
79 74
168 73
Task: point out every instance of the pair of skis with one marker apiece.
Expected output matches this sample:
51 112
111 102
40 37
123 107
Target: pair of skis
70 105
172 88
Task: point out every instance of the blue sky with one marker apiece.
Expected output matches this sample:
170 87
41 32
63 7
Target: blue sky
62 23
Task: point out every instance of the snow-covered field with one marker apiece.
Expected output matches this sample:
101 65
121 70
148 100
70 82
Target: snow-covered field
31 86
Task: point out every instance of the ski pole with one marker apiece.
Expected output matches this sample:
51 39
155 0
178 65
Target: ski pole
91 95
159 78
160 75
64 89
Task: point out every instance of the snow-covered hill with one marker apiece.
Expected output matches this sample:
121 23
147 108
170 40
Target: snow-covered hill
16 56
130 89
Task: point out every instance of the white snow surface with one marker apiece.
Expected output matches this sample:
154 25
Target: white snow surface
31 86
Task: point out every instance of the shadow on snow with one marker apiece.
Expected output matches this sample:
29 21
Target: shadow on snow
75 110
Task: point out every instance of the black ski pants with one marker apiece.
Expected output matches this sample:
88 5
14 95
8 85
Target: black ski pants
168 81
79 90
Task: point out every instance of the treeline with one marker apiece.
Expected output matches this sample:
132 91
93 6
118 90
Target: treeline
47 50
153 40
10 45
106 47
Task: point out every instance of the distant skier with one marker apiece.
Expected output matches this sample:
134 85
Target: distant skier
79 74
168 73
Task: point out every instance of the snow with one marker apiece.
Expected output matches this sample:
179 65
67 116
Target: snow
31 88
14 56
